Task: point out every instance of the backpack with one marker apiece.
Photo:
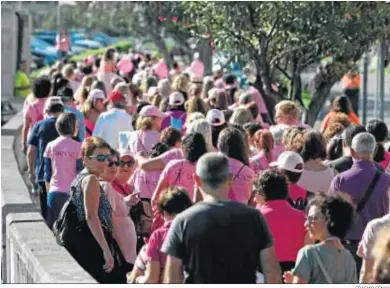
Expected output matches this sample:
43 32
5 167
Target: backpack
177 123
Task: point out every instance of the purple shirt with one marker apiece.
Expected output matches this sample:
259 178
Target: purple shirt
355 182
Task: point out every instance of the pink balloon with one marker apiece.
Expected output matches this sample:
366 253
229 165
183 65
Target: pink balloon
197 67
125 66
161 70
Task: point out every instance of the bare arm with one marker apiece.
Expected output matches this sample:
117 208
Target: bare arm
31 155
173 271
270 266
91 191
152 275
366 272
26 126
154 164
161 186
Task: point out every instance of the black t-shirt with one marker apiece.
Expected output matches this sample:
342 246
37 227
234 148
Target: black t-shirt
345 163
218 242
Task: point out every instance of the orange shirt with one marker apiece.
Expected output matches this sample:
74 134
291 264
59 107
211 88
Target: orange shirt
351 82
352 117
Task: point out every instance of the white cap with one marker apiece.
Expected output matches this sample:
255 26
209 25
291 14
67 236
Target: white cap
125 152
152 91
176 99
51 101
290 161
96 94
215 117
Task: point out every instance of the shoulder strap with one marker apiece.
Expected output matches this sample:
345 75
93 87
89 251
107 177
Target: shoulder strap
242 167
369 191
322 267
88 130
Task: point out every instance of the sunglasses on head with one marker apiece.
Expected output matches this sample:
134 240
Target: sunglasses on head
112 163
100 157
128 163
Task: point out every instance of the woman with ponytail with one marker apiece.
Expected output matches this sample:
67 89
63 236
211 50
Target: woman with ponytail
379 130
264 144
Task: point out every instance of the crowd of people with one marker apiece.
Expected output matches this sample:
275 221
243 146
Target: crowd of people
184 178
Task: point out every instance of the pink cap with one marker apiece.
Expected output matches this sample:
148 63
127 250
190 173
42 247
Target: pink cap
152 111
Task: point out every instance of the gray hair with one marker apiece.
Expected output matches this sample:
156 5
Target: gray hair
364 143
241 116
214 170
66 124
203 127
277 132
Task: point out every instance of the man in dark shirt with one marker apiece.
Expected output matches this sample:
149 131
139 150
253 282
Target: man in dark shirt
218 241
41 134
345 162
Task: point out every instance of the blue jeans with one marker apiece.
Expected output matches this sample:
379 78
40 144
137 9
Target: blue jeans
55 201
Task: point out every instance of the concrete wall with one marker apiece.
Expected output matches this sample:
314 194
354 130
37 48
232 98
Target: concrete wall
9 47
9 32
30 252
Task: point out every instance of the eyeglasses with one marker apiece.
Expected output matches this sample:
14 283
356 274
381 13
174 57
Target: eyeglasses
112 163
128 163
100 157
314 218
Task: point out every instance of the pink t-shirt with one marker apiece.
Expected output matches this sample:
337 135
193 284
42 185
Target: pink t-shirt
156 240
144 182
91 126
386 162
242 181
180 173
286 225
296 192
34 111
173 154
63 153
278 149
62 43
143 141
259 162
258 98
123 229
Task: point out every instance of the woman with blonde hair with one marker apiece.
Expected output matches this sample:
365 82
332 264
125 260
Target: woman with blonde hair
196 104
204 128
288 112
165 89
180 84
82 92
148 129
241 116
208 84
193 117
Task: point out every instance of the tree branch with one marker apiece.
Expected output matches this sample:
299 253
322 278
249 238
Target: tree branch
284 72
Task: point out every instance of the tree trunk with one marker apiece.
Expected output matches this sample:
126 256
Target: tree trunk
270 101
163 49
206 56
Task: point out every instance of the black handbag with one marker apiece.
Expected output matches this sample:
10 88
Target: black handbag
67 226
142 216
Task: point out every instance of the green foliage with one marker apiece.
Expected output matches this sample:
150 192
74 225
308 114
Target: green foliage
283 33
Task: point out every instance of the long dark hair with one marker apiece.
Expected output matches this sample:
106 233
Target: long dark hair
381 133
194 146
342 104
231 142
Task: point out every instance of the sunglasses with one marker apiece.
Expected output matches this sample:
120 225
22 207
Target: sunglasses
312 219
100 157
112 163
128 163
